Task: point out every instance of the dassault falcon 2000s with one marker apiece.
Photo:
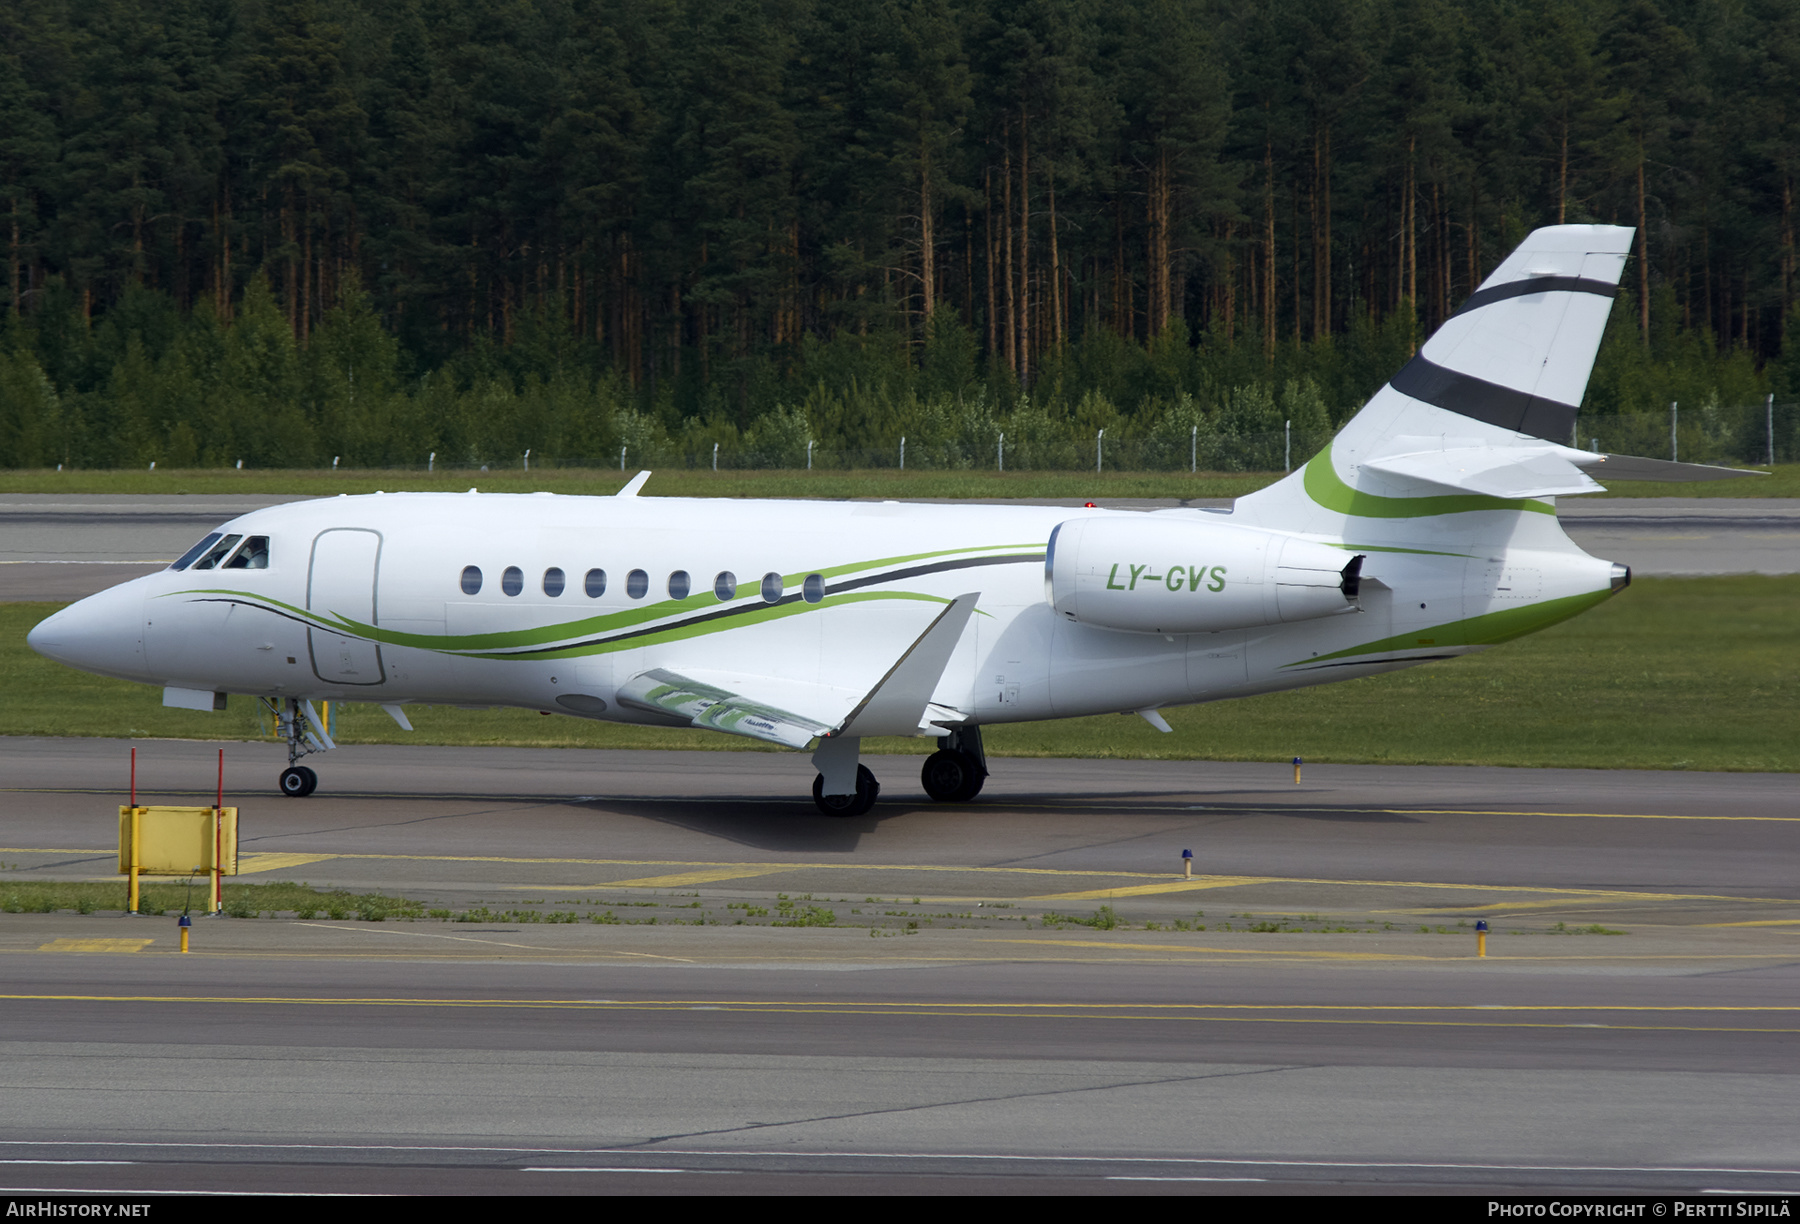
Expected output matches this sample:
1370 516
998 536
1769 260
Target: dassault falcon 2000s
1425 530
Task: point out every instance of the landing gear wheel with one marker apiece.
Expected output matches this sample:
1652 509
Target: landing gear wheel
867 788
297 781
951 776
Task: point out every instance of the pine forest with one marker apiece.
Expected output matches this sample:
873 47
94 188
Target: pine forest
1157 234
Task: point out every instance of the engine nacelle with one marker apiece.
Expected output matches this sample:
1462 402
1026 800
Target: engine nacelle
1158 574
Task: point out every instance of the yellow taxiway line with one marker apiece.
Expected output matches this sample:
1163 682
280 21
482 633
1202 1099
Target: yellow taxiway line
249 864
709 871
1620 1017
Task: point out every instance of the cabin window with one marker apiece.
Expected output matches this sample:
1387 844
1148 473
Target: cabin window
253 555
771 588
725 586
512 580
553 582
813 588
217 553
471 580
187 558
680 584
595 583
637 584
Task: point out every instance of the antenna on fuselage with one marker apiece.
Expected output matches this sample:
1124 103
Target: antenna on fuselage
633 485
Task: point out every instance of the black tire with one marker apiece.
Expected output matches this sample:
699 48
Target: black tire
867 790
298 783
950 776
976 781
312 781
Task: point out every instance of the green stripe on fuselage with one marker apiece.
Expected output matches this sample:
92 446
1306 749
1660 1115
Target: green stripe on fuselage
1488 629
750 616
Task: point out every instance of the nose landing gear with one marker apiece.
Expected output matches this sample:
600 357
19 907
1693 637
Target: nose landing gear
298 781
296 721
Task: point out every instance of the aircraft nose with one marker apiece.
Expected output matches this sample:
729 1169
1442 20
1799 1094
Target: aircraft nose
103 633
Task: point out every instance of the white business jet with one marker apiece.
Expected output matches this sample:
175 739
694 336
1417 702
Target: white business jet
1425 530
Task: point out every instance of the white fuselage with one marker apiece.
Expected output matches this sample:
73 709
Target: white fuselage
363 599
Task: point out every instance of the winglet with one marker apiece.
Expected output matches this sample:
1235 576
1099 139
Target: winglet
633 485
897 705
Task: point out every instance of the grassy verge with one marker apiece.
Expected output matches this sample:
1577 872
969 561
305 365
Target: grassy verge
1783 480
1676 673
882 916
277 899
678 482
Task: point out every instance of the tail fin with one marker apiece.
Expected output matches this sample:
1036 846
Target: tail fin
1478 420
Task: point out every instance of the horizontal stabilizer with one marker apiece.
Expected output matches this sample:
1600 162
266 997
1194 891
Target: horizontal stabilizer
1632 467
1541 470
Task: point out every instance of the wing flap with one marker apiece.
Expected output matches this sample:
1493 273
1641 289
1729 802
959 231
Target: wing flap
712 705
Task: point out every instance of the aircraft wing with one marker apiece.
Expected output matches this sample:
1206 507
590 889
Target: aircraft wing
793 714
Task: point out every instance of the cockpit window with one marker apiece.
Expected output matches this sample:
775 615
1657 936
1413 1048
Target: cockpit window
217 553
253 555
187 558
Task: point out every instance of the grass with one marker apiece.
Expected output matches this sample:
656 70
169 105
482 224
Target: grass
1675 673
303 902
1783 481
681 482
241 900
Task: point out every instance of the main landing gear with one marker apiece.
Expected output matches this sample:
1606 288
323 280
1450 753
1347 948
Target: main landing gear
952 774
956 771
296 721
867 790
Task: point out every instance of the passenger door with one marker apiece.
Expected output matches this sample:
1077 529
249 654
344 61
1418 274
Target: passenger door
340 584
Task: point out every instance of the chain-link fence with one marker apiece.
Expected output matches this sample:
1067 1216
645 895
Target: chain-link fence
1199 450
1762 433
1752 434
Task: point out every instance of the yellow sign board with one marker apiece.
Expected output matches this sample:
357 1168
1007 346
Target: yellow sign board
179 841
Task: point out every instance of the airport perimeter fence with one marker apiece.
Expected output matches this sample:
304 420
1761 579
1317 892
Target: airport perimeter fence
1196 450
1748 434
1755 434
1751 434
